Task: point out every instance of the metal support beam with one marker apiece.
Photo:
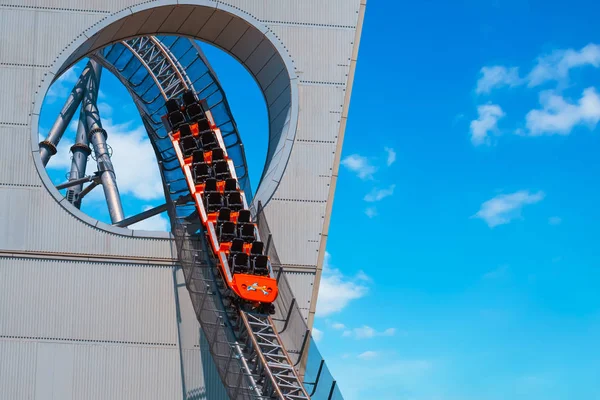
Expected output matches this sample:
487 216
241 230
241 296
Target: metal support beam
316 382
81 151
142 216
48 145
75 182
331 391
97 137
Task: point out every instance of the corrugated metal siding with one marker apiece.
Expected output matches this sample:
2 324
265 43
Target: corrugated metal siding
308 172
87 301
321 110
75 5
33 45
330 12
126 372
296 228
309 47
302 287
19 85
16 163
35 221
17 369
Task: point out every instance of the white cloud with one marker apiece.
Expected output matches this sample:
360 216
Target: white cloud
338 326
317 334
379 194
391 156
505 207
556 66
555 220
371 212
368 355
367 332
61 88
487 122
360 165
558 116
497 76
154 223
337 290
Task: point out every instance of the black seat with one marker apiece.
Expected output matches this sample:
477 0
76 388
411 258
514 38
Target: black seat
239 263
201 172
260 265
234 201
198 157
218 154
172 106
184 131
230 185
176 119
203 124
243 216
257 247
213 201
224 215
246 232
237 246
189 97
188 145
211 185
226 232
209 141
194 112
221 169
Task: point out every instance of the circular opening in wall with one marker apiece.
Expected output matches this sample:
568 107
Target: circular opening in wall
102 132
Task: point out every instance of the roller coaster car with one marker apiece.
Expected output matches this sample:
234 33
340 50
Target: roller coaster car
221 204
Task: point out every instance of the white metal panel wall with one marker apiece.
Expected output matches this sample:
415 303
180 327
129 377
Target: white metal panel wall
19 85
315 12
303 283
35 222
33 46
14 146
70 300
17 367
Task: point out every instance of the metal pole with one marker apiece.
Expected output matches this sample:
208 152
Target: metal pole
331 391
97 137
81 151
48 146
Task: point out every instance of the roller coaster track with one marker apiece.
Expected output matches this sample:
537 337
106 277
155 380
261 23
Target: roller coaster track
249 349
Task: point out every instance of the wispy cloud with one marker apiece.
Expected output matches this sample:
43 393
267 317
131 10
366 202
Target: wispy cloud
486 123
558 116
391 156
317 334
368 355
366 332
557 65
61 88
371 212
359 165
505 207
497 76
555 220
379 194
337 290
338 326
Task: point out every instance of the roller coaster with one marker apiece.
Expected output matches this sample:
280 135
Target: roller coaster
256 334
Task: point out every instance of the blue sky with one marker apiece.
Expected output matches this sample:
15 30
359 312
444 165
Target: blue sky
474 202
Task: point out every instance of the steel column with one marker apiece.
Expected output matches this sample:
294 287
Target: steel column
48 146
81 151
97 137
